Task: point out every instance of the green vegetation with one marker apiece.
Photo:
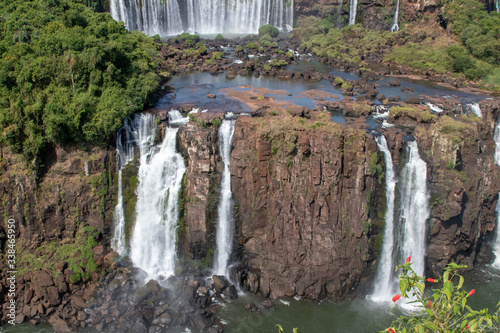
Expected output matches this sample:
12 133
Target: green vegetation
422 116
252 45
219 37
68 74
446 310
77 255
270 30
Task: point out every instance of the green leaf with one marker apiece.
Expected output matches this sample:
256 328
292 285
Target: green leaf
448 289
446 276
464 301
402 285
460 282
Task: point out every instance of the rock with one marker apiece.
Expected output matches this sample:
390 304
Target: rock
268 304
230 292
371 93
252 307
380 97
220 283
59 325
395 83
211 96
413 100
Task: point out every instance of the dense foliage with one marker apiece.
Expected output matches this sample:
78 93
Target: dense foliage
269 29
446 309
475 54
68 74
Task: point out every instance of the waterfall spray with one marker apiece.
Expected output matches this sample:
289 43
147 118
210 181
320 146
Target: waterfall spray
138 130
395 26
225 223
496 246
414 207
384 280
152 246
352 12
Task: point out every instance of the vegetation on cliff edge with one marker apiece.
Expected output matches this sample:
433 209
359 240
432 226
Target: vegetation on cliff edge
68 74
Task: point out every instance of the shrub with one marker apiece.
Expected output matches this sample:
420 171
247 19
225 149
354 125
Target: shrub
252 45
446 310
269 29
219 37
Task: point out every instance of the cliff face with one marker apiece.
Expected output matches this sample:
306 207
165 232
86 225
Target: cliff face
464 188
303 199
462 180
58 224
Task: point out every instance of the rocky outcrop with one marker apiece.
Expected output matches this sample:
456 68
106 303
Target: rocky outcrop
464 187
59 223
200 195
303 192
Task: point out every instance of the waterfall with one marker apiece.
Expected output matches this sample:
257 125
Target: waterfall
414 207
384 280
395 26
152 247
352 12
164 17
474 107
137 130
176 118
498 7
225 225
496 246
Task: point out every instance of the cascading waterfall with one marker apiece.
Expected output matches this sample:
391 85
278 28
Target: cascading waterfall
496 246
474 107
175 117
384 280
414 207
395 26
152 247
149 16
205 17
352 12
138 130
498 6
225 225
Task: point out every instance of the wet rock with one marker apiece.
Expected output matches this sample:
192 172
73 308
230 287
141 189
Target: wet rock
211 96
413 100
268 304
252 307
230 292
395 83
220 283
59 325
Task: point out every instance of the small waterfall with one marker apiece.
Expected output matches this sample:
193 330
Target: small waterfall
149 16
498 6
205 17
225 225
395 26
176 118
414 207
384 280
152 247
352 12
496 246
137 130
474 107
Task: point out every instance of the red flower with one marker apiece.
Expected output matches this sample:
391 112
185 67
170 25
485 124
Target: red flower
471 292
391 330
395 298
408 259
430 304
431 280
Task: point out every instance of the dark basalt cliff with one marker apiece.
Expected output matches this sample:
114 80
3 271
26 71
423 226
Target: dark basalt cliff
309 212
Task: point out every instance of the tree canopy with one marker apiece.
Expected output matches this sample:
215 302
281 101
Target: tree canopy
68 74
